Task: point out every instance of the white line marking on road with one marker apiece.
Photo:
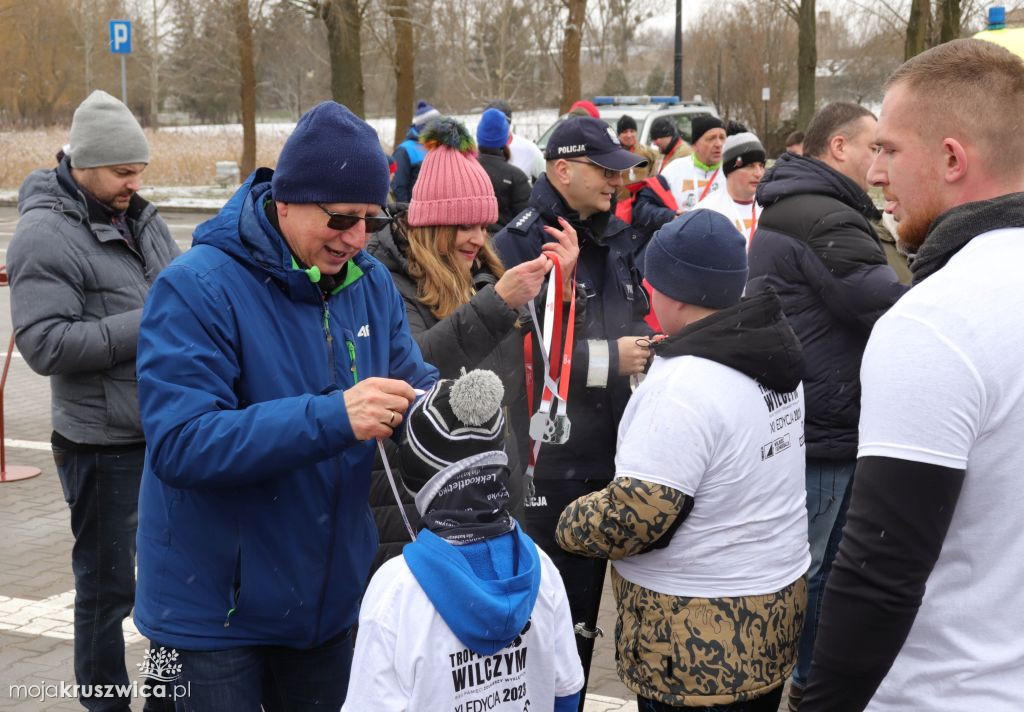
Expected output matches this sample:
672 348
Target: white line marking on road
52 617
27 444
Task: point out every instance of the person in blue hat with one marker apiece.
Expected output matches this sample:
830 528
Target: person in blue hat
705 519
271 356
511 185
409 154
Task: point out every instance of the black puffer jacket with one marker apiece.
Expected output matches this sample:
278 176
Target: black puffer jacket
511 186
483 333
816 248
611 302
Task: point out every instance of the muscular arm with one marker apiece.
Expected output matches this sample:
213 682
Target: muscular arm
628 517
899 515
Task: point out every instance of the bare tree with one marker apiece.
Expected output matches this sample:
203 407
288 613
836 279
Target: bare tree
614 25
247 85
158 9
804 14
343 20
918 26
921 24
40 60
755 43
950 11
404 64
571 52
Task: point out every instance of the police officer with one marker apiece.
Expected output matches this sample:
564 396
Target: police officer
584 160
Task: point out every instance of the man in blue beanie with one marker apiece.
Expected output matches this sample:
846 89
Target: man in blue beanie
705 516
271 355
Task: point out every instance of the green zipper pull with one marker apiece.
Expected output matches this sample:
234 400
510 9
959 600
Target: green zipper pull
352 357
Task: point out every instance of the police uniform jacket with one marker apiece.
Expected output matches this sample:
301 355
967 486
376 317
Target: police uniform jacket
611 303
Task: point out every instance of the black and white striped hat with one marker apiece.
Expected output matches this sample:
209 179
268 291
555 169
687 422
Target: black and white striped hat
455 419
740 150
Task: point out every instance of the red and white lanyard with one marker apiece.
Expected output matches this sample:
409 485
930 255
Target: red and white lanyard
555 355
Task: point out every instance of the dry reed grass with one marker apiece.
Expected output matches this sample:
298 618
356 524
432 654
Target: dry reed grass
176 157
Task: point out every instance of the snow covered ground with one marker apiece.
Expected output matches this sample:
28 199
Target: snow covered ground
530 124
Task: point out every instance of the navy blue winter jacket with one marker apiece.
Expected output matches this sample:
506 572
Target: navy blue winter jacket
254 526
408 157
815 246
611 302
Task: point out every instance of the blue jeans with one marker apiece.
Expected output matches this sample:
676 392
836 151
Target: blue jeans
102 490
278 678
828 496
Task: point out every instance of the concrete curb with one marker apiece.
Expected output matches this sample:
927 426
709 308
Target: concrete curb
168 206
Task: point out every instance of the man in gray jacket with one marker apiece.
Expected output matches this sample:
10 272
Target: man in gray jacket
84 254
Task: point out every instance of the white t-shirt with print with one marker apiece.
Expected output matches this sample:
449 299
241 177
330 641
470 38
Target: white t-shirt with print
687 181
743 215
943 383
737 448
407 659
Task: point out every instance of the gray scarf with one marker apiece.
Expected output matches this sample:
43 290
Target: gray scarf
958 226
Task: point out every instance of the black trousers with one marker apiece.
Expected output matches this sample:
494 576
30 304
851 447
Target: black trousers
583 577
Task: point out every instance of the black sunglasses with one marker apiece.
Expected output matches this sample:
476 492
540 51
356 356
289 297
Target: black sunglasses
343 221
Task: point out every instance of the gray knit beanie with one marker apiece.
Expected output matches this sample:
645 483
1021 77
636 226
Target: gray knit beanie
104 133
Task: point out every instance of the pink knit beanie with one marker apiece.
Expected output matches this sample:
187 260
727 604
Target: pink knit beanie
452 188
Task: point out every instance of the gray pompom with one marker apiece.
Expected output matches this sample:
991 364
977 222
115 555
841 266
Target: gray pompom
476 397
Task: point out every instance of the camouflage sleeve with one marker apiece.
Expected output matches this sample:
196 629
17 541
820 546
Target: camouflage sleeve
626 518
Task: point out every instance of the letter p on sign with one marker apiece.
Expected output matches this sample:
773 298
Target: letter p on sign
121 36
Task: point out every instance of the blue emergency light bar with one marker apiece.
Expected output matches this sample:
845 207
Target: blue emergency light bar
996 17
635 99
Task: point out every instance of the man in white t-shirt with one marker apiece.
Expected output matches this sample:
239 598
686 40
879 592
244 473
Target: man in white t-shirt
743 165
697 176
705 519
472 616
922 610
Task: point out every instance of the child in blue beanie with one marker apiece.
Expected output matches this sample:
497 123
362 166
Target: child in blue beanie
472 615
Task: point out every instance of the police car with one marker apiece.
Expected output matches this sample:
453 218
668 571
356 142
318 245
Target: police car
644 109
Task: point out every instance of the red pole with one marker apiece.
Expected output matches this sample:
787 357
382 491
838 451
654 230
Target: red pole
14 472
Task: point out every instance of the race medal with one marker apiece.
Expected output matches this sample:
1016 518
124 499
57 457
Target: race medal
552 430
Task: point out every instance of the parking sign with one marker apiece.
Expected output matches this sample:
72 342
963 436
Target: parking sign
121 36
